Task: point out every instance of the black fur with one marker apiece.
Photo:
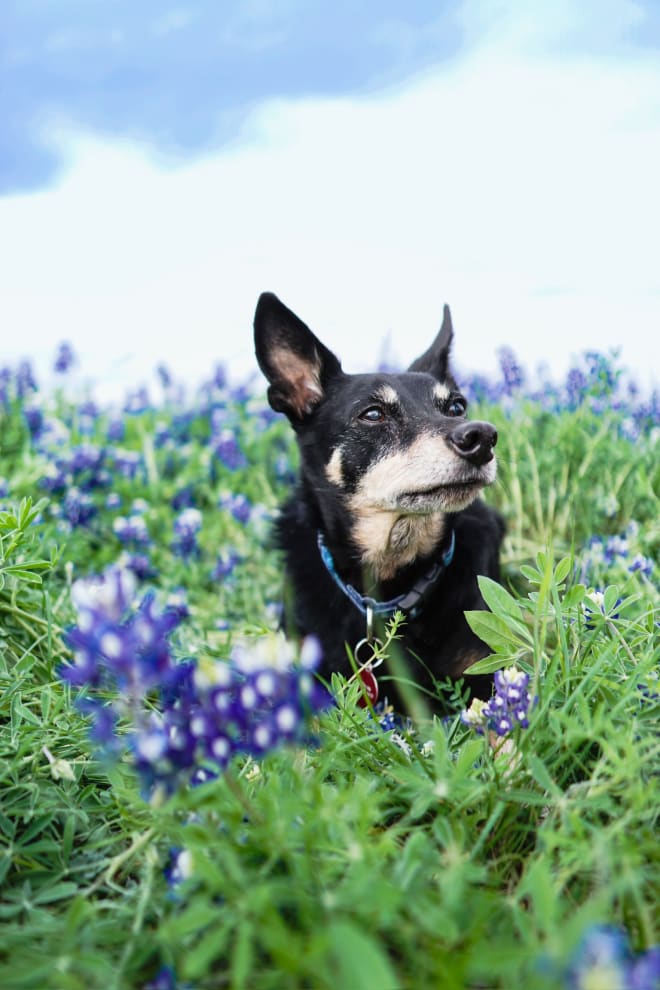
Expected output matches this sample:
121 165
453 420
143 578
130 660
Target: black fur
350 417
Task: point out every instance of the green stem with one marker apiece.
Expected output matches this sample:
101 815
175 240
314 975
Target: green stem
138 842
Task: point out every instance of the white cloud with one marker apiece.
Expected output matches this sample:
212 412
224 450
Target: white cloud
521 188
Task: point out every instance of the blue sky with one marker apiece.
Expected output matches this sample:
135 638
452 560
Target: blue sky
160 164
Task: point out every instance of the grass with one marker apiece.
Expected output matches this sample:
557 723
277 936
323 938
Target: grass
367 859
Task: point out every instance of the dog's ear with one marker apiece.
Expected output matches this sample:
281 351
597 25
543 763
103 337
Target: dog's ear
295 362
435 361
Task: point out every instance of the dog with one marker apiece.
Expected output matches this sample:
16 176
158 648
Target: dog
385 514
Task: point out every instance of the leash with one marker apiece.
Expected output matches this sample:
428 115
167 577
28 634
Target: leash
410 602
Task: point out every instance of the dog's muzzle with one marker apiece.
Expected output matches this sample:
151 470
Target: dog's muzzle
474 441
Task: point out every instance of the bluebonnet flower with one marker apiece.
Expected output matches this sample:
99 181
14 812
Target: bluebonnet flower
113 500
207 711
137 402
183 498
164 375
179 866
604 961
34 417
25 380
576 387
165 979
225 564
5 382
641 564
78 507
227 450
64 358
129 463
83 466
131 530
219 380
116 429
238 505
138 564
186 526
509 706
177 602
512 373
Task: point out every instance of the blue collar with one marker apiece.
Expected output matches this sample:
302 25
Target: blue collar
411 602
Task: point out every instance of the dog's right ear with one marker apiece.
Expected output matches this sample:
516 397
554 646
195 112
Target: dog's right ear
435 361
295 362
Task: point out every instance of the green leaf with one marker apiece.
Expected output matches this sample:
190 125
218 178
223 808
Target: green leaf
242 956
498 599
48 895
487 665
540 774
22 575
494 631
573 597
562 569
361 962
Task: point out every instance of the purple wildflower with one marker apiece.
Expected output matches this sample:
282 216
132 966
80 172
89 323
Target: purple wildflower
64 357
227 450
25 380
78 507
642 564
604 958
225 564
131 531
165 979
509 706
186 526
512 373
238 505
116 430
164 375
205 712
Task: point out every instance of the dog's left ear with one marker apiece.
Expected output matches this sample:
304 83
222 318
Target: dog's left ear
435 361
295 362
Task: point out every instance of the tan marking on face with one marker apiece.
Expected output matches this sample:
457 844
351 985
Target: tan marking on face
389 541
303 379
424 464
387 394
441 392
334 468
393 527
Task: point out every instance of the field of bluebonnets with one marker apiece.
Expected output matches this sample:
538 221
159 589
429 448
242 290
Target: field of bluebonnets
182 804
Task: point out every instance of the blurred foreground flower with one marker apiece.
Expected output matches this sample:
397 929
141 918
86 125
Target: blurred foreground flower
508 707
185 720
604 961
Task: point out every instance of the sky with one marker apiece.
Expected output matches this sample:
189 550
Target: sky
162 164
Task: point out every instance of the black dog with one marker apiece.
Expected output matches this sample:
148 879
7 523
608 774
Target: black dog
385 514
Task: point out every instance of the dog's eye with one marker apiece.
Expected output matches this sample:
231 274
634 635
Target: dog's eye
374 414
457 406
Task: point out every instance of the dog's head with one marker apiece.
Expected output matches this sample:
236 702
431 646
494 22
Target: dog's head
396 449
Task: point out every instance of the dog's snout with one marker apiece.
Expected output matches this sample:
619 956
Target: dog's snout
474 441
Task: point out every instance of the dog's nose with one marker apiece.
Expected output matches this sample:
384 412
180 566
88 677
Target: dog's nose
474 441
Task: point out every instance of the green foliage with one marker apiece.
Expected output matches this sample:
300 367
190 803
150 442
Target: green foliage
373 860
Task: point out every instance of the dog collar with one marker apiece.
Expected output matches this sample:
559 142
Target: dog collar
411 601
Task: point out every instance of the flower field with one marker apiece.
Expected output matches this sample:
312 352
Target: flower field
184 805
